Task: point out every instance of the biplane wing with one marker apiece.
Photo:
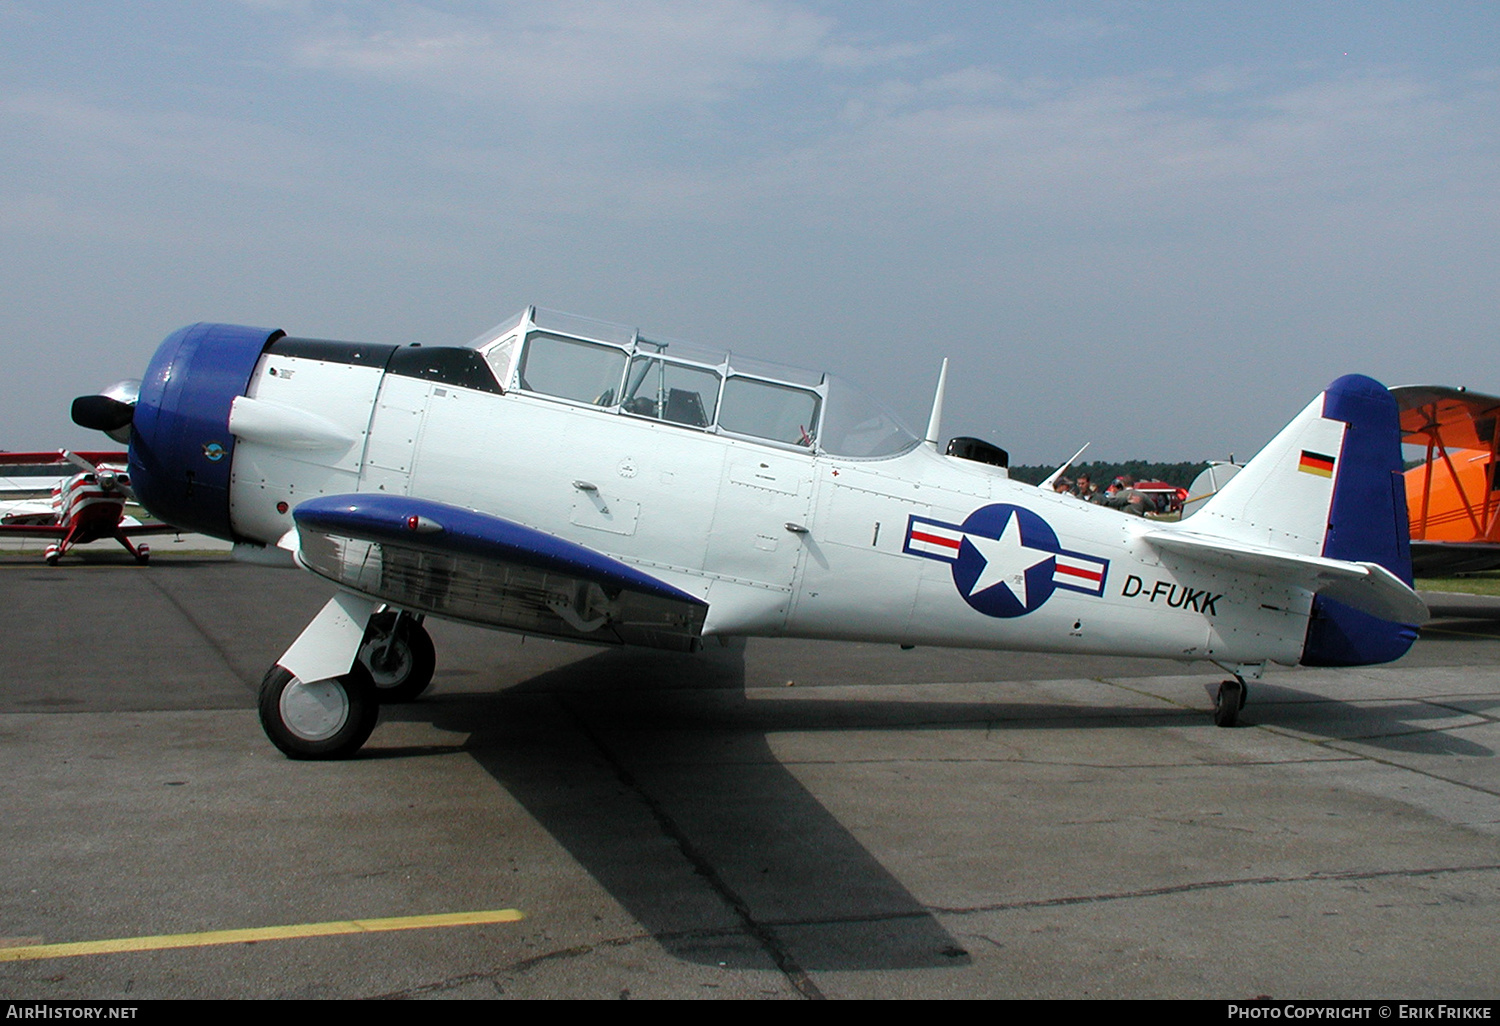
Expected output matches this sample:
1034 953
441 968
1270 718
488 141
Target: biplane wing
1452 500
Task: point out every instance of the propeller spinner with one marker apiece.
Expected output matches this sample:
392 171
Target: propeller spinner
111 411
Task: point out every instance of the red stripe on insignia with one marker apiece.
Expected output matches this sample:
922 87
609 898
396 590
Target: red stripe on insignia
1078 571
933 539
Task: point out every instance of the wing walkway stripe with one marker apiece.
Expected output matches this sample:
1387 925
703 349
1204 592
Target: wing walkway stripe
262 933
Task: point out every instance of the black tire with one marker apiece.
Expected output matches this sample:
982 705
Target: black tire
330 719
402 669
1228 703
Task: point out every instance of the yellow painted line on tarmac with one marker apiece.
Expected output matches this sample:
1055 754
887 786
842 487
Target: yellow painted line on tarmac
261 933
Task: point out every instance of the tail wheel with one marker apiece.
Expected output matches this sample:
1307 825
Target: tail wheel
399 656
327 719
1228 703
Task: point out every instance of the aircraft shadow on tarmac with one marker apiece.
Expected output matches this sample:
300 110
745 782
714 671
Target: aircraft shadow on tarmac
1407 726
656 772
679 808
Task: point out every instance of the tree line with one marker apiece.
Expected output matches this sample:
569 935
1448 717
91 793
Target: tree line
1101 473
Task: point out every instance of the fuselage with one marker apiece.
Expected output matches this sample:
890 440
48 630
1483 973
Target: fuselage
749 508
83 506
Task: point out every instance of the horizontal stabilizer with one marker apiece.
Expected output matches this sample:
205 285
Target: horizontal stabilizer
1368 587
462 564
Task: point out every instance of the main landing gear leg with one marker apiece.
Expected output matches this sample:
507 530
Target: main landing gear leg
141 552
397 650
319 701
57 550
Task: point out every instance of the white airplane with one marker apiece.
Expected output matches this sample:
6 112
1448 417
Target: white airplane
564 477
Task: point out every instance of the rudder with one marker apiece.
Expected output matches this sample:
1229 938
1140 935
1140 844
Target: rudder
1366 523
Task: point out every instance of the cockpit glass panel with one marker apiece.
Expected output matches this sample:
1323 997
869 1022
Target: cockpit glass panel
671 391
859 426
500 330
585 327
763 409
571 369
501 358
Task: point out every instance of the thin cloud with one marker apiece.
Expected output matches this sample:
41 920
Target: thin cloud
83 137
1079 29
598 54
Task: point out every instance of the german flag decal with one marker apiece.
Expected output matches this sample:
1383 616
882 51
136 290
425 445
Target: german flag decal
1315 463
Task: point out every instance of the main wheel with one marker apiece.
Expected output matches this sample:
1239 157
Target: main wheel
327 719
398 653
1228 703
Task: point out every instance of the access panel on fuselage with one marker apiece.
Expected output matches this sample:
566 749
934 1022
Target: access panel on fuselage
860 584
267 481
395 428
764 506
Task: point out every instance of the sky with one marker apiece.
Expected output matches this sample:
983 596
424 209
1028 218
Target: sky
1157 227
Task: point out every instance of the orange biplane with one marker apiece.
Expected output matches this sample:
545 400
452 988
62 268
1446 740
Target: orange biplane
1453 497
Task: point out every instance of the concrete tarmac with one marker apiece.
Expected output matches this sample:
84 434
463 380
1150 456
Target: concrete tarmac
775 819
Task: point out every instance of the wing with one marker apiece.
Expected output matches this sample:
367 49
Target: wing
44 529
1453 502
1442 558
34 474
1368 587
460 564
1451 417
57 459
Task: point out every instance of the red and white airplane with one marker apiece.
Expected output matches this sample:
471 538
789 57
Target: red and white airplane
87 501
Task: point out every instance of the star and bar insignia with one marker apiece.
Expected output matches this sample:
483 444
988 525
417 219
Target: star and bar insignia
1006 559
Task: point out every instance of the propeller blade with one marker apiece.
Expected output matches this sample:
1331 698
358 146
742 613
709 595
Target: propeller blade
79 462
101 413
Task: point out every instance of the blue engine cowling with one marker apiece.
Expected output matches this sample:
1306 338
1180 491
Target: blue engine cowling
181 450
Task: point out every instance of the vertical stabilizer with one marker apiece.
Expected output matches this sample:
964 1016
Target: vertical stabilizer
1329 485
1283 496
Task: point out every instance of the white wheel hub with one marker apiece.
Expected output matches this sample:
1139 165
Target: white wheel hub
316 711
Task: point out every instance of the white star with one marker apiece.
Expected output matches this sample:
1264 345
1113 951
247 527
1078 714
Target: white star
1006 560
